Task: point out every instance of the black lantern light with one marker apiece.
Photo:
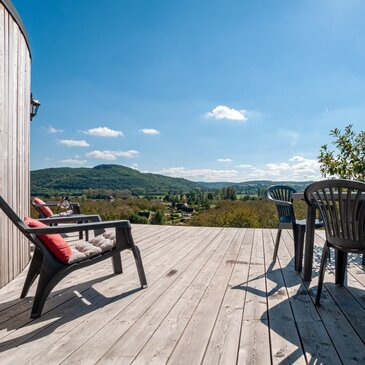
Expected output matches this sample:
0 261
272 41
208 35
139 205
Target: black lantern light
34 105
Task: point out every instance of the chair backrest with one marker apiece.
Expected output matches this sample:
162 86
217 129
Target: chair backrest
19 223
5 207
44 211
281 195
342 207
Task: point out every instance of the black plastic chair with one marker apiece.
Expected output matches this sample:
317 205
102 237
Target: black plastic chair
281 195
51 271
342 206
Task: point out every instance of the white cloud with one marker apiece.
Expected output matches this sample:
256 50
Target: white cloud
134 166
103 132
297 168
298 158
282 166
224 160
224 112
151 131
74 143
112 155
54 130
244 166
73 161
200 174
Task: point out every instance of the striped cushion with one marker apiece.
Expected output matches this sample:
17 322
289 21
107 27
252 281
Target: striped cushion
84 250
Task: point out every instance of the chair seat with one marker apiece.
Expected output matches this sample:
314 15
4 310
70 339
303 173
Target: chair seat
302 222
82 250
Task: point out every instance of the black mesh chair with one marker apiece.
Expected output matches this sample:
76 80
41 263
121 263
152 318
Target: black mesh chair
342 206
281 195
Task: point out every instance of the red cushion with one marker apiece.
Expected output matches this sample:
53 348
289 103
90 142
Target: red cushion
45 210
54 242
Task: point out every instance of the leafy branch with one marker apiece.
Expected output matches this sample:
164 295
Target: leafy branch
347 161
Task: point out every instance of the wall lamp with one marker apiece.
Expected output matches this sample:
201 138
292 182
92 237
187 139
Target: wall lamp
34 105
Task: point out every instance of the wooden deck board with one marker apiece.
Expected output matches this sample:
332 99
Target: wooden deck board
286 347
107 325
214 297
100 296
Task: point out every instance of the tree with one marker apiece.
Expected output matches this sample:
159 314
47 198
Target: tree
347 161
135 218
228 193
159 217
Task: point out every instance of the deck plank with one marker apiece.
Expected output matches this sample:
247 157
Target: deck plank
316 342
199 276
224 342
92 345
18 315
255 326
105 297
159 347
343 317
214 297
286 347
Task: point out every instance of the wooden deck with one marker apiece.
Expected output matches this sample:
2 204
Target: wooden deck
213 298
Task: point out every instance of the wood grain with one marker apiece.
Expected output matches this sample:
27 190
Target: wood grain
14 143
214 297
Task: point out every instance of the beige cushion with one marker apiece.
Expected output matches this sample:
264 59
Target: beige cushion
82 250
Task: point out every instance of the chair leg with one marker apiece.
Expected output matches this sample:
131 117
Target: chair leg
321 272
117 263
277 240
341 263
299 248
81 235
33 272
140 269
363 260
49 277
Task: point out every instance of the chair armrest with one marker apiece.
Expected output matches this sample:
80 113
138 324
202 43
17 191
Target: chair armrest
79 227
71 219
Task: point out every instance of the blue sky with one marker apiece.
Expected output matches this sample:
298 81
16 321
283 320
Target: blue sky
210 90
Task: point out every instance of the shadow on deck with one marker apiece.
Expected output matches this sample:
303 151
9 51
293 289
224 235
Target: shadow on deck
214 296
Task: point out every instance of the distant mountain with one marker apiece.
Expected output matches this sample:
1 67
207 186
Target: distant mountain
75 181
255 184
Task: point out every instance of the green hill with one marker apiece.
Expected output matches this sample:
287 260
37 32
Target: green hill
75 181
112 178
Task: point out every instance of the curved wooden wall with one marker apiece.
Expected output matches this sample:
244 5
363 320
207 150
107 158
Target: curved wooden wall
14 141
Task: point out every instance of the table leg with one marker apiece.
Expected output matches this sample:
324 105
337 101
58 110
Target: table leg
309 243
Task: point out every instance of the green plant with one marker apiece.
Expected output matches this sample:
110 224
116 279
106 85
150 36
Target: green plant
159 217
135 218
347 161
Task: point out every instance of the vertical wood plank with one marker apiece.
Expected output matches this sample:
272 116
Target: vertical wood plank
2 139
26 150
12 118
14 143
5 250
